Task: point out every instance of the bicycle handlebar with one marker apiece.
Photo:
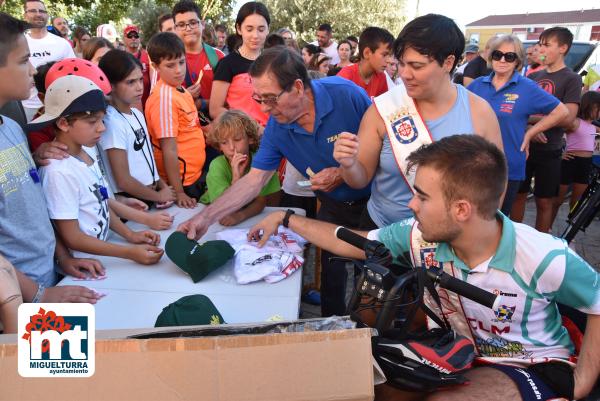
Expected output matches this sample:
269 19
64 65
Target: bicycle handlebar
440 277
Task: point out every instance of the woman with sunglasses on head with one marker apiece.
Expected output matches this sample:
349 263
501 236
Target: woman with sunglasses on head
320 62
80 37
232 86
514 98
95 48
308 51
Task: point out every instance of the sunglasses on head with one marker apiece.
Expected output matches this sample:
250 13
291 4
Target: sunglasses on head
133 35
509 57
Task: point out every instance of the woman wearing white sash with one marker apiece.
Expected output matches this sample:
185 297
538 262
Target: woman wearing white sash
431 108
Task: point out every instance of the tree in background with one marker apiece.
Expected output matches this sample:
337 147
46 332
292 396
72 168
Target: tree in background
347 17
91 13
145 16
86 13
145 13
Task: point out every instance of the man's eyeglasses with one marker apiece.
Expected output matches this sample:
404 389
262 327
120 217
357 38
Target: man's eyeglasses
182 26
133 35
509 57
270 101
36 11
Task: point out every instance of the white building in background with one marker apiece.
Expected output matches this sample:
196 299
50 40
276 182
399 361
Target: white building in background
585 25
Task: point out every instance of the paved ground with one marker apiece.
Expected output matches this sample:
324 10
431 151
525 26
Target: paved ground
586 244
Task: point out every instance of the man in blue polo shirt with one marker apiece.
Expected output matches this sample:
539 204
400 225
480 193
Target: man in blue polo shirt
514 98
306 118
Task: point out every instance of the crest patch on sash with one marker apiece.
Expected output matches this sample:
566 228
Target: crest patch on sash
428 258
404 129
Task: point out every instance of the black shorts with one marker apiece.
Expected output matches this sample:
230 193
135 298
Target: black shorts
196 189
530 383
577 170
545 167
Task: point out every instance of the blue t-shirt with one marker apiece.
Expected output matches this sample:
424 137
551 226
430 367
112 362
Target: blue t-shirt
26 235
513 104
339 106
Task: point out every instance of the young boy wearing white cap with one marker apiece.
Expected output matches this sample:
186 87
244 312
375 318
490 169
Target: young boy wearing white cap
76 191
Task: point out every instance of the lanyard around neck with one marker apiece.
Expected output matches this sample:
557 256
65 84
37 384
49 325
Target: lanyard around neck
149 159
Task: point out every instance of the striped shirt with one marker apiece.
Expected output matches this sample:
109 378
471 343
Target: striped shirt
171 113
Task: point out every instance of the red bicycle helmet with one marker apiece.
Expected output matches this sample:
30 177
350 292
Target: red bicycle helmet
79 67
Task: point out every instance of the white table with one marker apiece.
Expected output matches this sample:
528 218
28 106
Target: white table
136 294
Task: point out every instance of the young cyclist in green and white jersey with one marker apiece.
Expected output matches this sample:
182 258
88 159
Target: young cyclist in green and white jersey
526 351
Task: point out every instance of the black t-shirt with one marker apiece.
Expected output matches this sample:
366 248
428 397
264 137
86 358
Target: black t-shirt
231 65
477 68
565 85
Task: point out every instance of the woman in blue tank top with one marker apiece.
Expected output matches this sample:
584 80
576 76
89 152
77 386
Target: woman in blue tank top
446 109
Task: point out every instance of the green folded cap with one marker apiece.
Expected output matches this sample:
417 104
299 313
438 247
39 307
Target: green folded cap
198 260
190 310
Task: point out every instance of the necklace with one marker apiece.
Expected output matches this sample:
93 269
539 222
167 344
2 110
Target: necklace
138 144
33 173
99 178
247 57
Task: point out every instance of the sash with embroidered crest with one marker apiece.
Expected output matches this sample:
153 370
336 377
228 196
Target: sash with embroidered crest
404 126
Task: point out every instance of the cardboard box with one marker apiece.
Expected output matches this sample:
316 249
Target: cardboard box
327 365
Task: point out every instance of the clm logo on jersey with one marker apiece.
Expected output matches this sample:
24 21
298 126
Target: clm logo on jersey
404 129
56 340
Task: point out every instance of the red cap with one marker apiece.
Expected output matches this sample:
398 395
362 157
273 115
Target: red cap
131 28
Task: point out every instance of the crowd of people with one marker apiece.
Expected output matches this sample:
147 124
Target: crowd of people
390 136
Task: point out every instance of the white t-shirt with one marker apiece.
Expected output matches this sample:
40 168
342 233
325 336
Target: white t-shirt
290 182
49 48
73 192
331 51
129 133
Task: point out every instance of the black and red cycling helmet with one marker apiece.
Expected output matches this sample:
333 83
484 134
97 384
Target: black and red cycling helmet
424 364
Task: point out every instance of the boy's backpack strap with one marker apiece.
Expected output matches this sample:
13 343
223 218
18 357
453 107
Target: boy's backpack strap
211 53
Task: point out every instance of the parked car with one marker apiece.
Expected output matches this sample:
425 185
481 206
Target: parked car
580 57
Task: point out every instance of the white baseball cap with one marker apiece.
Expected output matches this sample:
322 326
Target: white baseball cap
107 31
68 95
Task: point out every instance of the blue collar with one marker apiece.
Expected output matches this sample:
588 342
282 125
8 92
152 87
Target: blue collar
323 106
503 259
516 77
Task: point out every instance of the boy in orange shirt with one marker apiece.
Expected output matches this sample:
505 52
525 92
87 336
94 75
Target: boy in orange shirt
173 123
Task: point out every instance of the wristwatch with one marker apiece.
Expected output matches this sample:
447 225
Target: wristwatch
286 218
